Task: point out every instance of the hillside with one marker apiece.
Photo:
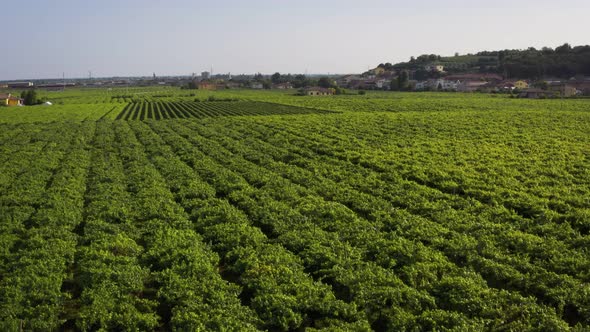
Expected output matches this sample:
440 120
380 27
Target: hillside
562 62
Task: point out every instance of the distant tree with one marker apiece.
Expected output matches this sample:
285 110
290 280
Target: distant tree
276 78
325 82
192 85
388 66
403 80
29 97
300 81
258 77
422 74
565 48
266 84
340 91
394 86
543 85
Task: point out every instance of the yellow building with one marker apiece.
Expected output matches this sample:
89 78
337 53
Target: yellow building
521 85
8 100
435 68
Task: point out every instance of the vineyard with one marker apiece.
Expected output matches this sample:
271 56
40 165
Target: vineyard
182 110
468 214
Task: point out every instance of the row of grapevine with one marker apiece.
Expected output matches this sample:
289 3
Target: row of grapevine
496 254
274 282
159 110
42 114
548 263
40 211
140 265
170 242
361 233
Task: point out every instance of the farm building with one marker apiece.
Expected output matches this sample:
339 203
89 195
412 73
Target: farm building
317 91
19 85
8 100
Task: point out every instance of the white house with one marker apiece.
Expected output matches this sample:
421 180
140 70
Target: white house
438 84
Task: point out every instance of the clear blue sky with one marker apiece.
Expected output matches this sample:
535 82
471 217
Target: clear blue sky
44 38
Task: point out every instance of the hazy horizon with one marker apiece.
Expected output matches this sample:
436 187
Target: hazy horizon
179 37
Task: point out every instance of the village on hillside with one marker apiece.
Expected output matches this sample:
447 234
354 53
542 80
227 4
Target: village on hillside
382 79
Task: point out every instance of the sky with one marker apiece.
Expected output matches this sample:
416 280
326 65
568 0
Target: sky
179 37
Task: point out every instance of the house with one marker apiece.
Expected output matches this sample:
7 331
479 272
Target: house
521 85
7 99
510 85
470 85
257 85
435 68
437 85
505 86
206 86
349 81
283 86
563 89
383 84
317 91
536 94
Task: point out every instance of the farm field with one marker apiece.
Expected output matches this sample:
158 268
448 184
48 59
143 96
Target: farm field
243 210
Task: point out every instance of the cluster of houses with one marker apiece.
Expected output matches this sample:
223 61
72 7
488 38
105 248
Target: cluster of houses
380 79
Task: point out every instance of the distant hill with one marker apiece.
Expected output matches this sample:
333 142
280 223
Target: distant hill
562 62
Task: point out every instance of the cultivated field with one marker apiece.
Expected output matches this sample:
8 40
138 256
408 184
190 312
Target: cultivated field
145 209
